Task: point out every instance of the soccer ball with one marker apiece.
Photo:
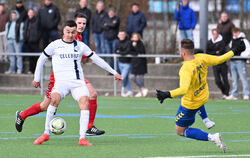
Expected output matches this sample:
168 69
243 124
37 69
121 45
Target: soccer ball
57 126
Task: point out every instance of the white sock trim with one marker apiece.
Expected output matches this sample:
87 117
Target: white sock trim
210 137
206 120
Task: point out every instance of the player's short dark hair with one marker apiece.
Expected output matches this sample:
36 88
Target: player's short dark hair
235 29
80 15
188 45
136 4
70 23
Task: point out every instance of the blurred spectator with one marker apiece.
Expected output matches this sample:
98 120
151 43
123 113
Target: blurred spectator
97 27
22 17
122 47
139 65
31 37
186 18
216 46
84 10
49 18
225 27
14 34
22 11
111 29
238 66
4 18
136 20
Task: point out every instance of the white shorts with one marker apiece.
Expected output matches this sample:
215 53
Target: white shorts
78 88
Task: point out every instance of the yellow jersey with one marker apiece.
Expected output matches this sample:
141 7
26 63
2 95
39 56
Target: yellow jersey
193 79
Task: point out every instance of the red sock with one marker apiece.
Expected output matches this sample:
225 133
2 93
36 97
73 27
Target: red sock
92 112
34 109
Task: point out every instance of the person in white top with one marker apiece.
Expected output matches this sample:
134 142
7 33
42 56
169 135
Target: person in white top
66 56
238 66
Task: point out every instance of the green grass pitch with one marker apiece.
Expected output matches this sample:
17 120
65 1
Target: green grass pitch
135 127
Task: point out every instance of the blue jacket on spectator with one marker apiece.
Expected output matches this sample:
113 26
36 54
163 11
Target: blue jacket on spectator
136 23
186 17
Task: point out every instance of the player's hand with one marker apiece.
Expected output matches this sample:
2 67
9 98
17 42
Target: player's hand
118 77
36 84
161 96
241 48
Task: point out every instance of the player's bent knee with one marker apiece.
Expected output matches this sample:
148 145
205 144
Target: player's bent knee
93 95
56 98
180 133
54 102
180 130
84 103
44 105
92 92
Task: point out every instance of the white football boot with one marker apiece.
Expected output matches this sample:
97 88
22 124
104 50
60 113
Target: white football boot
217 139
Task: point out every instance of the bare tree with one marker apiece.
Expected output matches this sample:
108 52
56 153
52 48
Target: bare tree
223 5
241 13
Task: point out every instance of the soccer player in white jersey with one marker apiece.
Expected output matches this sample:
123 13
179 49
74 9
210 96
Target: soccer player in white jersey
66 56
37 108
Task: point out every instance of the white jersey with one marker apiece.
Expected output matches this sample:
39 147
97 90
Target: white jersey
66 60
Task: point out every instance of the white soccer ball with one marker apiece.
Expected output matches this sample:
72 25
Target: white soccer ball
57 126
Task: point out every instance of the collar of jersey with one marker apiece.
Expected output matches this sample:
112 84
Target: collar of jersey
67 42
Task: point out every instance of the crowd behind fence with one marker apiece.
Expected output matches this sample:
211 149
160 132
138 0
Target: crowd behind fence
115 57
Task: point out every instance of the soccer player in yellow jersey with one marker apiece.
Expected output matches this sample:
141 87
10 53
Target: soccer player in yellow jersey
194 89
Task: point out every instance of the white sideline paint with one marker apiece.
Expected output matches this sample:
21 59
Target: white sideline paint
204 156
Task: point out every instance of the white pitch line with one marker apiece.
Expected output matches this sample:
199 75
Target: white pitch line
205 156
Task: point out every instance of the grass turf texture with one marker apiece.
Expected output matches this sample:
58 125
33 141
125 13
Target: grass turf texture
135 127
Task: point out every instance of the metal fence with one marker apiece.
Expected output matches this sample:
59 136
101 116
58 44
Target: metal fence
114 56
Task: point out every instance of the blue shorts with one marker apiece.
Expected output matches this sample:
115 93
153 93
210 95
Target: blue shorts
185 117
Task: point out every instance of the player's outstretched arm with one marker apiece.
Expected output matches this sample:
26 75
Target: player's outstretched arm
215 60
182 90
102 64
39 67
185 80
